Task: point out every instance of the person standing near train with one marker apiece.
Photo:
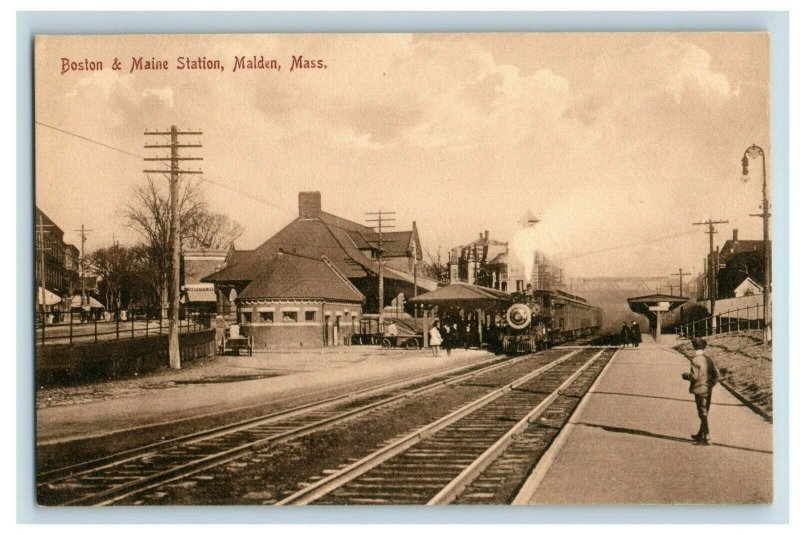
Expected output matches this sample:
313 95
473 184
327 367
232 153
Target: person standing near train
435 338
636 334
448 338
625 334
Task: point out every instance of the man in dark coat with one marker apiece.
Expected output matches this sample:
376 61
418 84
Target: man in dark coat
625 334
636 334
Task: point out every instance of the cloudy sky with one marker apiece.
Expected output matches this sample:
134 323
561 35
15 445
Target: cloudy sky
611 140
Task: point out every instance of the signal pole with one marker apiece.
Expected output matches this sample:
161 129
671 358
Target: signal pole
712 267
174 172
381 224
680 274
82 263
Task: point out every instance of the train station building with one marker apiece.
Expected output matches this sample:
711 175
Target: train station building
351 249
299 301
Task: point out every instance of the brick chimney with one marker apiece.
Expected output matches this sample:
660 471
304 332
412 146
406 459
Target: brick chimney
736 234
486 235
310 204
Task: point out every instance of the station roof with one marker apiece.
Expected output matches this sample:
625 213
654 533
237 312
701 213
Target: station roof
293 276
640 305
340 240
461 294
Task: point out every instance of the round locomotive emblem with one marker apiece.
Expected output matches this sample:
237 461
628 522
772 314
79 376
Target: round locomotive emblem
518 316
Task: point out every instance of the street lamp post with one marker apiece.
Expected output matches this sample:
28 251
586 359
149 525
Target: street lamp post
752 152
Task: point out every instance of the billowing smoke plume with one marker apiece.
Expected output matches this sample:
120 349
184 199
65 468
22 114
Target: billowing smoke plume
574 231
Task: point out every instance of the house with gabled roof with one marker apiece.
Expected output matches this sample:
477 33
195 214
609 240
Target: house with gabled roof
739 260
350 247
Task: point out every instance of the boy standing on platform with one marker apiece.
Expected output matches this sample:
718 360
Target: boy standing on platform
702 378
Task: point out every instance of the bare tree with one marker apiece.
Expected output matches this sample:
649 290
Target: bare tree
211 230
149 214
435 267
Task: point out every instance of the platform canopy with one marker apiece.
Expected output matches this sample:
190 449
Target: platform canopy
647 305
652 306
463 295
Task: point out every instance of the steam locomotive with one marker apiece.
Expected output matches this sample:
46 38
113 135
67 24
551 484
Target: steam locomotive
539 319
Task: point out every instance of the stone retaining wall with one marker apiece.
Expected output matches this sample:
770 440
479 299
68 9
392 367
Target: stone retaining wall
116 358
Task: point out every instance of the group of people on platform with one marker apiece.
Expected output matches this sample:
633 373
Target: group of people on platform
449 334
630 335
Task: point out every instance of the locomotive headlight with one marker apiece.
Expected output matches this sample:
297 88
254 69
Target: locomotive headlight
518 316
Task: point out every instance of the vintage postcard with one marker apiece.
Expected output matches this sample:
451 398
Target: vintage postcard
477 268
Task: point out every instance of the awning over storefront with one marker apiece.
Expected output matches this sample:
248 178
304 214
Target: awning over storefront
203 295
49 297
463 295
91 303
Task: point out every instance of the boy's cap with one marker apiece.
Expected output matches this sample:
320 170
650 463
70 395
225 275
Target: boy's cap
698 343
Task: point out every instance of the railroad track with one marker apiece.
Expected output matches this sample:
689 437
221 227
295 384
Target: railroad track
436 464
111 478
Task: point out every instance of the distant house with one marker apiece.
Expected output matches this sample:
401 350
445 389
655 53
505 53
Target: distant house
299 301
350 247
50 248
748 287
488 262
739 260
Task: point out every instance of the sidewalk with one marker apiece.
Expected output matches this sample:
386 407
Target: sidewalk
289 379
629 443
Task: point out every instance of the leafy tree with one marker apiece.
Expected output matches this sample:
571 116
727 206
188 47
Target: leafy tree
124 279
483 277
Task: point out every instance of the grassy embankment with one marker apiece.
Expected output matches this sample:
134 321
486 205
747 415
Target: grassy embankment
746 365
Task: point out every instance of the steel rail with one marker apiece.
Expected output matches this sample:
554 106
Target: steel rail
134 486
335 480
59 474
530 486
451 491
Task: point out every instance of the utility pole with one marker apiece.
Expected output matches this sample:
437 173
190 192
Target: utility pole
380 217
680 274
83 231
754 151
671 288
414 253
712 266
174 172
40 232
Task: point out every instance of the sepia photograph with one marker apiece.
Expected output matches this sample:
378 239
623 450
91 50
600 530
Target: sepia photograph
518 268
